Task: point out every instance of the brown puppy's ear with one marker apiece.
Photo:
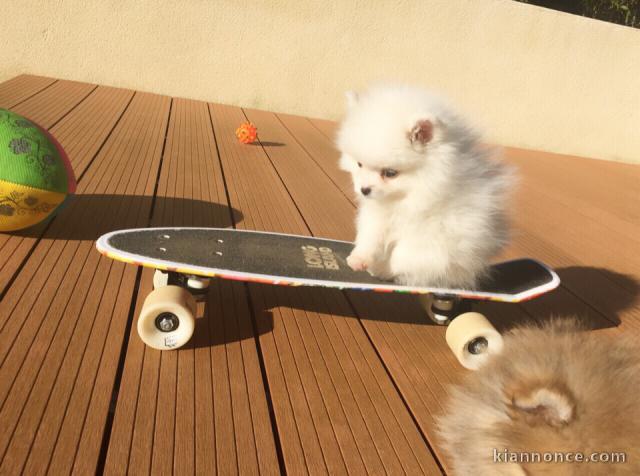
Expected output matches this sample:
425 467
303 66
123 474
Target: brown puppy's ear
551 404
421 133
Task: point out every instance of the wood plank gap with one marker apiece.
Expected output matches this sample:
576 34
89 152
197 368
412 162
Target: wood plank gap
14 104
263 371
104 447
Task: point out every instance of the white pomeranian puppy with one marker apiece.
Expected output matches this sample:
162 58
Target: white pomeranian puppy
431 200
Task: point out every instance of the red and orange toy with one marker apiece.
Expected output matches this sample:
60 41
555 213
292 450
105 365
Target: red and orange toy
247 133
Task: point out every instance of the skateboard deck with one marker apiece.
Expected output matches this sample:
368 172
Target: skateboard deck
293 260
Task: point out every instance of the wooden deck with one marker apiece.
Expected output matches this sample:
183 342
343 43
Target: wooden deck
275 379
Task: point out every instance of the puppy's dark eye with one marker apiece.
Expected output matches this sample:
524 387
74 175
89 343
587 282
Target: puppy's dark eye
389 173
359 164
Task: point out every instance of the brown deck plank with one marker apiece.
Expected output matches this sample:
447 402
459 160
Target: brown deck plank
75 317
203 408
328 128
266 204
339 384
184 403
578 236
589 236
608 187
314 142
82 132
383 411
140 138
50 105
239 163
301 448
20 88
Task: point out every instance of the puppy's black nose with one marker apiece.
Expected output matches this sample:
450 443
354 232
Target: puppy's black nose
365 190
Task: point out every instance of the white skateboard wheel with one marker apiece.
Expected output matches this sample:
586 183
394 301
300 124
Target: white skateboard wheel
472 338
167 319
160 279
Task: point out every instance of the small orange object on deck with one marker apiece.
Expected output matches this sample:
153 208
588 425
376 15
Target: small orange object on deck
247 133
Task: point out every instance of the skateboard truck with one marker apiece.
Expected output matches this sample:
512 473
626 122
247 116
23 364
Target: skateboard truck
441 308
197 285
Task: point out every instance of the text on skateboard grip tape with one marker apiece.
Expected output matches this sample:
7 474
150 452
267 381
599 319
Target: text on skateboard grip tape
319 258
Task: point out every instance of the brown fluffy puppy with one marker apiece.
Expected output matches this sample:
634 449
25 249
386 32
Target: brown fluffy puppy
553 392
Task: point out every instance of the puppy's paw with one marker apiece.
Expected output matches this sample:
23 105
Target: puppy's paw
380 269
357 261
381 272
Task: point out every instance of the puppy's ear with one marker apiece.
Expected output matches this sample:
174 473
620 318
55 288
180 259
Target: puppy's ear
346 163
551 404
352 98
422 132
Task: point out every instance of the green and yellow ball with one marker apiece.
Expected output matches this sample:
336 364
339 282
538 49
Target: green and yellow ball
35 174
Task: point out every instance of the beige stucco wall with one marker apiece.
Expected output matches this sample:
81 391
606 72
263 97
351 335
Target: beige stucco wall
531 77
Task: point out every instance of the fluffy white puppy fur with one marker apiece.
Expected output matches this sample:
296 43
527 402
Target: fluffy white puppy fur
431 200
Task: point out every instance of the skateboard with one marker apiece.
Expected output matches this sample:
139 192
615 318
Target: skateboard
186 258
